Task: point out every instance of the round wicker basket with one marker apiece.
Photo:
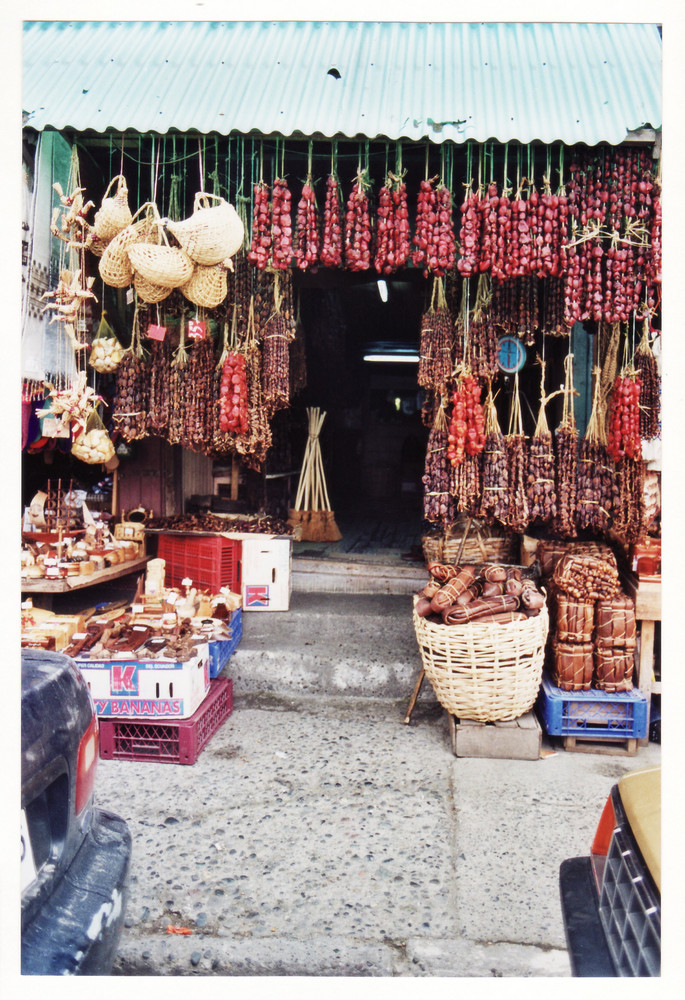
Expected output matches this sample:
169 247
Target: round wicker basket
207 286
147 291
484 671
161 264
212 233
115 267
480 546
96 245
114 213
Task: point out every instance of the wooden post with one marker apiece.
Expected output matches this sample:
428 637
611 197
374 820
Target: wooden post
235 476
415 695
115 492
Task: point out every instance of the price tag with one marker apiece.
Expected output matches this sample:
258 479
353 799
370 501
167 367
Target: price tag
155 332
129 296
196 329
55 427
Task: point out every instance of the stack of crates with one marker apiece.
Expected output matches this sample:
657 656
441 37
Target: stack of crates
176 741
159 710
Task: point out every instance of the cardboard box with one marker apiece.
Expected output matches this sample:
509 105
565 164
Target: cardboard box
37 627
150 689
266 572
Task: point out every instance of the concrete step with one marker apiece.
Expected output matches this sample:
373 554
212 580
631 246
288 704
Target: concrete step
351 644
361 575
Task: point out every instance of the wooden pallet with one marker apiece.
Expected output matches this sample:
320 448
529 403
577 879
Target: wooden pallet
583 744
520 739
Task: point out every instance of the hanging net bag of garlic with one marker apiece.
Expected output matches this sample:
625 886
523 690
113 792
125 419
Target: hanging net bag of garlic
94 446
106 351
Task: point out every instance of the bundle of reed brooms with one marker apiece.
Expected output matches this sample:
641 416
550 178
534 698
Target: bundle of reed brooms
312 513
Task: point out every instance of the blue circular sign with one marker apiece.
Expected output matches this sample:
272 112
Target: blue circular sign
511 354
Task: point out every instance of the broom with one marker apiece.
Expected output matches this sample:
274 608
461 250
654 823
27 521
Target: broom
312 507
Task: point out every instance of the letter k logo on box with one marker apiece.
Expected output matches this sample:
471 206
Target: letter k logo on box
124 678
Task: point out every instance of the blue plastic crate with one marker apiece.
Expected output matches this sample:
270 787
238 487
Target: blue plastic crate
222 650
598 714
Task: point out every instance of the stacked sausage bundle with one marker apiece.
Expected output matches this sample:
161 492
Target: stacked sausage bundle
593 624
457 595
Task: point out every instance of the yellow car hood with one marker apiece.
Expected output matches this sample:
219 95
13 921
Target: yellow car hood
641 797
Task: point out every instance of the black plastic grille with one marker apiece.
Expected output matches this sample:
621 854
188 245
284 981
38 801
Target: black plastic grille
630 909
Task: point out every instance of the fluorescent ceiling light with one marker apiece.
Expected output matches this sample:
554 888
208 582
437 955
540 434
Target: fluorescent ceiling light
411 359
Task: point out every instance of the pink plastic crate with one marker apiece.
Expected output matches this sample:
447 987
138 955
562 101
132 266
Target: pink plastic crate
208 560
173 742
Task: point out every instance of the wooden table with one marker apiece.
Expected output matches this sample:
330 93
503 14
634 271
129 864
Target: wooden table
64 585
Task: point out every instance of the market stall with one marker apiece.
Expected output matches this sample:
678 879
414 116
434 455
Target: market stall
210 290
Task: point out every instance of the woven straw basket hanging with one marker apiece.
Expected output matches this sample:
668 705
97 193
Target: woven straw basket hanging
115 266
207 286
484 671
212 234
114 213
147 291
97 246
160 264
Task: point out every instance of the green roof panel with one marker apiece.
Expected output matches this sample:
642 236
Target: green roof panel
551 81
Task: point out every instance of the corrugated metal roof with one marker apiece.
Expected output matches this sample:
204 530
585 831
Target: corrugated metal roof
572 82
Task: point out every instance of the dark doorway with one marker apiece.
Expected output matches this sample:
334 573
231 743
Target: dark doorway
373 441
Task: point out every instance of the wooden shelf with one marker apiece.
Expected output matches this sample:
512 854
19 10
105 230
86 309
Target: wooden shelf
68 583
648 600
647 595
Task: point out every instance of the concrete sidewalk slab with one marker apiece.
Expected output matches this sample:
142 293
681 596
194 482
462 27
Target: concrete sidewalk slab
323 837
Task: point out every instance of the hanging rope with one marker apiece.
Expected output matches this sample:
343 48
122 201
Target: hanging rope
163 175
199 154
156 172
174 211
140 200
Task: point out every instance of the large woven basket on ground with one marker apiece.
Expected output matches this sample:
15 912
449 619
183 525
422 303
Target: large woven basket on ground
485 671
213 233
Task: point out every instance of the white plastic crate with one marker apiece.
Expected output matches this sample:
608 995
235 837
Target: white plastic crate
149 689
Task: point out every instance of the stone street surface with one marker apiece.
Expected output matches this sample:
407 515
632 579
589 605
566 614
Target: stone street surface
321 836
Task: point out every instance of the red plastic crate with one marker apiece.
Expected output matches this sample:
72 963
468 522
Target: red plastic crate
208 560
177 741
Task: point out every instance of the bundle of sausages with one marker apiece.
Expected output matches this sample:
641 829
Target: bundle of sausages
456 595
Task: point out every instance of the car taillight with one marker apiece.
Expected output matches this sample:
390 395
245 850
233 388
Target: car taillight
602 841
86 764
